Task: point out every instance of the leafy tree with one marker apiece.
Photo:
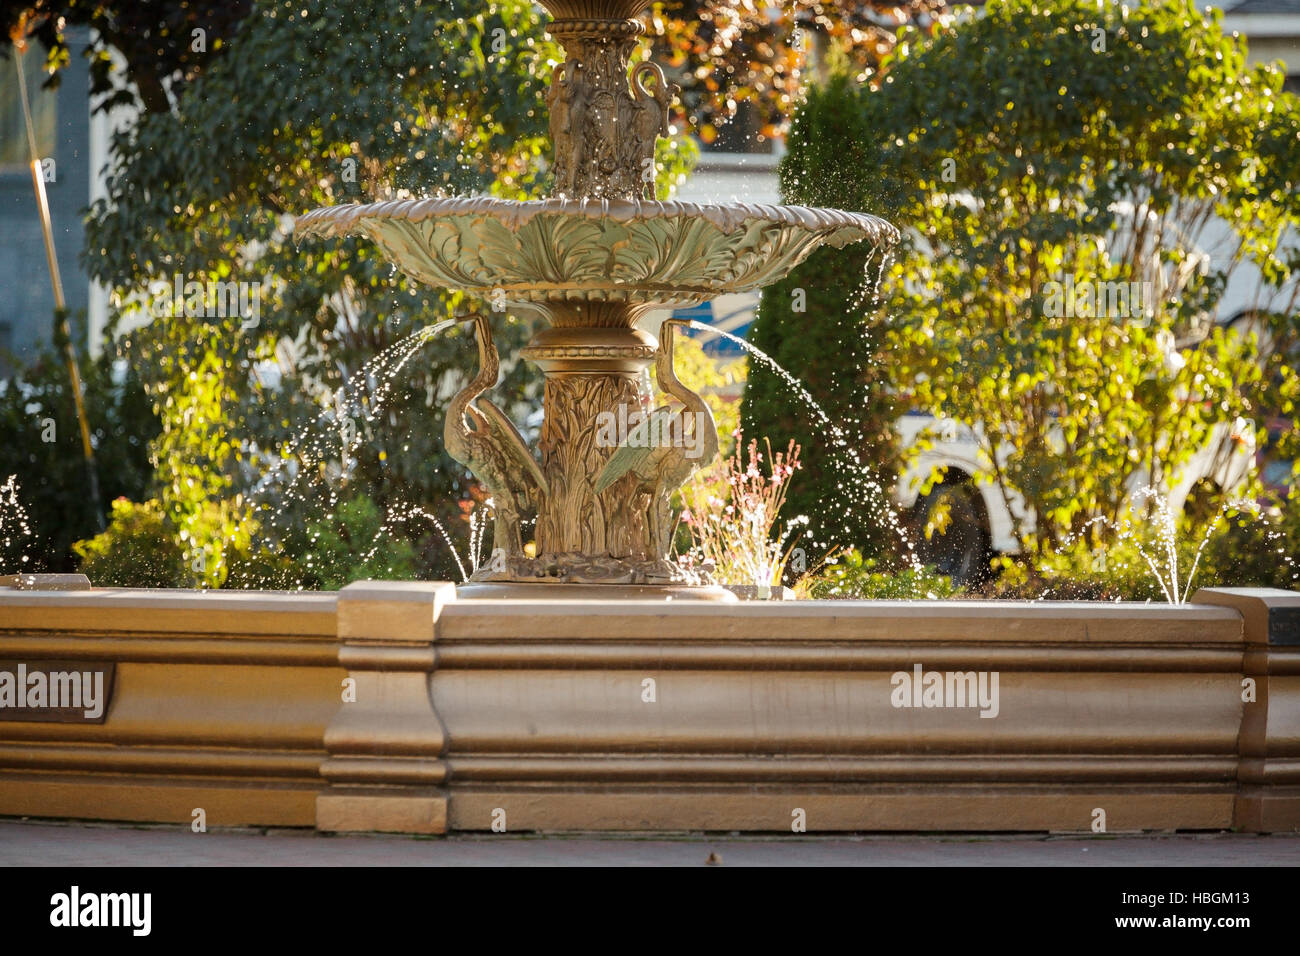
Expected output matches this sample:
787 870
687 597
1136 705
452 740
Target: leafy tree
163 44
1109 146
319 104
744 55
1114 146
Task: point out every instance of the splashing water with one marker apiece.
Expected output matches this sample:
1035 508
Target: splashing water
479 522
477 526
412 512
868 291
843 455
15 525
324 450
1161 556
381 368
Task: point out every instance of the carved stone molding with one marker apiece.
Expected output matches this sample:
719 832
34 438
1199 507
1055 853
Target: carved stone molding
541 353
563 10
573 29
582 568
603 350
230 701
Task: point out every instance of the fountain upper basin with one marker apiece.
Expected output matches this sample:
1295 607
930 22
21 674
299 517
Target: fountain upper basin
637 252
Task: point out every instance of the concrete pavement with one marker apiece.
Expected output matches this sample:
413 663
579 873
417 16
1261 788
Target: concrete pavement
44 843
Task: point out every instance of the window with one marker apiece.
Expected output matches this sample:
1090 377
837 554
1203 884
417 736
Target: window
13 133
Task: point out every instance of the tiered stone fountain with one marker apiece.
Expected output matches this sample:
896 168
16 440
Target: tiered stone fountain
591 261
577 714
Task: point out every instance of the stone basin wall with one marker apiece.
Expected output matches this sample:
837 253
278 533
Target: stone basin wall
658 716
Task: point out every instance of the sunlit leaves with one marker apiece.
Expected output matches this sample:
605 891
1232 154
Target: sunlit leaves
1106 167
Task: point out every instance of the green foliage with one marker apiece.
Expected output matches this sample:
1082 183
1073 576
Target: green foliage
675 157
850 575
1241 544
142 548
40 444
1259 548
138 550
1015 150
1121 571
353 545
156 42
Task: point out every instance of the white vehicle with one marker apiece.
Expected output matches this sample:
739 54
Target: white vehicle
982 521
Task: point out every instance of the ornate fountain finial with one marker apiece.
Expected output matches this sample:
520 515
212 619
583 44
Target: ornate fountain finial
604 129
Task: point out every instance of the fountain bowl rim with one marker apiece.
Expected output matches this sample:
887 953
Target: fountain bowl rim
347 218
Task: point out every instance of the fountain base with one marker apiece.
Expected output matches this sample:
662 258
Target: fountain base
575 567
400 706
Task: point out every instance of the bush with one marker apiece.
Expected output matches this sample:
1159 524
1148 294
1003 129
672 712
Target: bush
354 543
851 575
137 551
40 445
1260 549
1120 573
1230 548
142 548
818 324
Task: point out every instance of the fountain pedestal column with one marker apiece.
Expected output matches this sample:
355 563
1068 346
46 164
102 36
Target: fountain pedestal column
597 392
594 386
595 362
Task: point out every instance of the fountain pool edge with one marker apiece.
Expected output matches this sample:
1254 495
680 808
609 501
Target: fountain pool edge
232 702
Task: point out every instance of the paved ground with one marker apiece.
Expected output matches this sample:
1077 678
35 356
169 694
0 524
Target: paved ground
64 844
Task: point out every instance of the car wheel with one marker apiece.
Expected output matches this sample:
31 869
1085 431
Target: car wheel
959 547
